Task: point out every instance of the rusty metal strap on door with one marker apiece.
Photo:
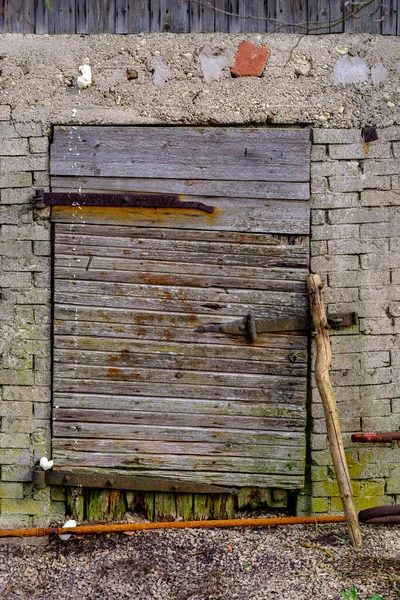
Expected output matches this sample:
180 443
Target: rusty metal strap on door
43 199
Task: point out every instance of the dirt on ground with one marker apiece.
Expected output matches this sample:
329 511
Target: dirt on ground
285 563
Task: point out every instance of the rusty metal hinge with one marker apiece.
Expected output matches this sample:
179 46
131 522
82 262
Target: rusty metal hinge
110 481
250 326
43 199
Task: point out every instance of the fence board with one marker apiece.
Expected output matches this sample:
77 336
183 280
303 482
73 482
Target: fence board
179 16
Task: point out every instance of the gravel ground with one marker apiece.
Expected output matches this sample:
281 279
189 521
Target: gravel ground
285 563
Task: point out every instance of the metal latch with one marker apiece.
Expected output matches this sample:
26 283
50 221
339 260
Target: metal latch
250 326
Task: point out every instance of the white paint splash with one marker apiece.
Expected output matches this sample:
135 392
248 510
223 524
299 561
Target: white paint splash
85 78
350 69
379 73
66 536
161 72
45 463
212 64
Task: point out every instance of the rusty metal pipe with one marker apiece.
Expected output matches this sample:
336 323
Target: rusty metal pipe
121 527
387 436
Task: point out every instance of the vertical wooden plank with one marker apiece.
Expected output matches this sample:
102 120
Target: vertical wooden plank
202 507
292 12
367 20
336 13
62 17
101 16
164 506
82 25
122 8
76 503
223 506
254 8
227 21
252 498
184 506
271 14
19 16
202 18
139 12
2 16
389 17
142 502
155 16
42 18
105 505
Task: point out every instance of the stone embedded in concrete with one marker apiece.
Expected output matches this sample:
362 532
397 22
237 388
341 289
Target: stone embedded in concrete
250 60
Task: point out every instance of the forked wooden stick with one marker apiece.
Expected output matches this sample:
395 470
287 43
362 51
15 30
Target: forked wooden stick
322 364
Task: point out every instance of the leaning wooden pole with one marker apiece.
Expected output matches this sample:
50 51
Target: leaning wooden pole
322 364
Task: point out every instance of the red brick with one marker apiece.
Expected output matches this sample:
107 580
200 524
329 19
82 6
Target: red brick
250 60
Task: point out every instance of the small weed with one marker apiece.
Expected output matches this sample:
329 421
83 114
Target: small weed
352 595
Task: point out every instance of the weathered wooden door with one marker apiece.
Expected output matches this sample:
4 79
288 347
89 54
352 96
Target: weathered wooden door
138 387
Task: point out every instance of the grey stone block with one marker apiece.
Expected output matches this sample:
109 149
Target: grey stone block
32 162
358 215
15 180
29 129
360 151
372 278
357 184
5 112
318 153
377 198
16 147
382 167
36 231
335 168
336 136
16 196
331 200
328 263
356 246
332 232
7 131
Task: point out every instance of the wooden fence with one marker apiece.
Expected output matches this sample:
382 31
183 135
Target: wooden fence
181 16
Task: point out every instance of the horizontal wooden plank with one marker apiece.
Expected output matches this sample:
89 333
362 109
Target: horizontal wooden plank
188 187
179 462
230 214
120 431
279 366
281 423
258 154
130 232
177 280
185 376
292 300
173 405
273 345
273 256
290 390
276 445
163 334
279 480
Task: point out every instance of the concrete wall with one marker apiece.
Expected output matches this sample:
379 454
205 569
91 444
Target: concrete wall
355 220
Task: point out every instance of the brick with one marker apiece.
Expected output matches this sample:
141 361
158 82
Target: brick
389 134
11 490
15 440
25 395
319 473
17 147
9 249
33 296
389 423
5 112
360 151
377 198
364 309
250 60
336 295
320 505
380 261
335 136
35 231
41 179
13 377
355 215
16 473
357 184
318 247
331 200
319 185
352 424
15 456
374 278
39 144
330 232
375 230
7 131
328 263
331 168
16 196
15 180
19 409
319 442
382 167
358 377
393 485
26 506
319 153
42 248
395 179
371 360
33 162
29 129
20 281
357 246
317 217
